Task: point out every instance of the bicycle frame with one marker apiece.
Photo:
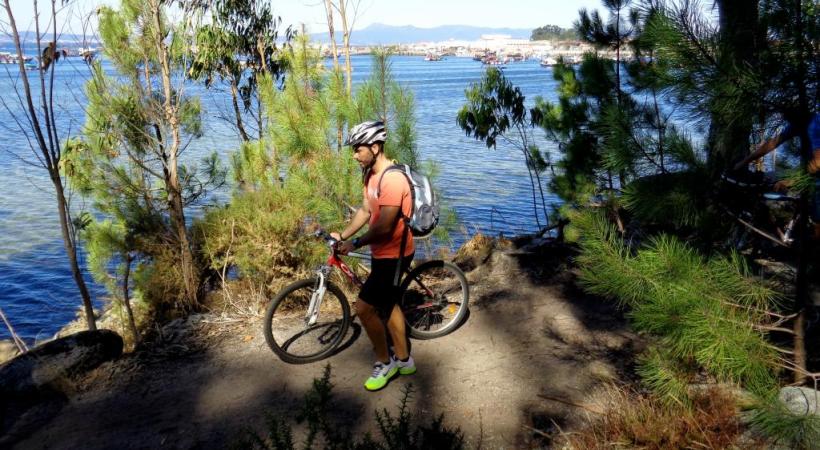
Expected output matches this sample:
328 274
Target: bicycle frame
321 276
334 261
783 237
324 271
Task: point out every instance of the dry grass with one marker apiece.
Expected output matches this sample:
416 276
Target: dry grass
634 420
476 251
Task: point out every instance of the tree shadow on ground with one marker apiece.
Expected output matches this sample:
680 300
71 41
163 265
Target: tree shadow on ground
498 376
146 408
585 340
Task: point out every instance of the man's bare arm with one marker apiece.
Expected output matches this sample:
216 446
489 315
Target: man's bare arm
360 218
383 227
379 231
814 163
762 150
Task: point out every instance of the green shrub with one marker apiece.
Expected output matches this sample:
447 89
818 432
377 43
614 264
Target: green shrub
399 432
706 313
707 316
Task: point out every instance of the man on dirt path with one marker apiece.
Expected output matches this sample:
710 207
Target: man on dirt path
387 199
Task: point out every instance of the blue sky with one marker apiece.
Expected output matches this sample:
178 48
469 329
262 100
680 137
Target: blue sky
421 13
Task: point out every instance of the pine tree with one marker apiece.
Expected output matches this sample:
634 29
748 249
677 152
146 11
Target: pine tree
381 97
730 78
703 314
136 125
238 47
305 175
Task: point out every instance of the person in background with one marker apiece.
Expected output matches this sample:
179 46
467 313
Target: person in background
790 131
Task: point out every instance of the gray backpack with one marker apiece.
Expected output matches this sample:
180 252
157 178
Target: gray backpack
424 217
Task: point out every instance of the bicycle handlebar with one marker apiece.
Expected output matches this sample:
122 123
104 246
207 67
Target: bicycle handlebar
320 233
332 242
746 179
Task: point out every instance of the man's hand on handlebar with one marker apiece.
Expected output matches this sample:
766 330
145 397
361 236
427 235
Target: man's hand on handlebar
783 185
342 247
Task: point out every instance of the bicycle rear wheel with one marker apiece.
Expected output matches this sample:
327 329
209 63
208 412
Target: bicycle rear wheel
434 299
289 331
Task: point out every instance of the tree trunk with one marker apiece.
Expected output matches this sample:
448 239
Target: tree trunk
259 122
127 301
802 302
237 112
51 162
335 51
346 43
618 56
332 32
729 131
175 204
71 250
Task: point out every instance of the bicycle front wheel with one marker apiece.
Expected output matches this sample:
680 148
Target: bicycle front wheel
294 335
434 299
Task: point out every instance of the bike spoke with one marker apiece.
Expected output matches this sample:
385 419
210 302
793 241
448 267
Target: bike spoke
290 331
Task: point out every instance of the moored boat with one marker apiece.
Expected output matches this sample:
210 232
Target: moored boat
10 58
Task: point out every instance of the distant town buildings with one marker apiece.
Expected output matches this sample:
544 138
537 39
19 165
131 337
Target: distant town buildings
490 43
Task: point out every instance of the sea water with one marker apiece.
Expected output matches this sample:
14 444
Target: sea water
489 189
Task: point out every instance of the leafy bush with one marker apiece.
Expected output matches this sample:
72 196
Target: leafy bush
259 233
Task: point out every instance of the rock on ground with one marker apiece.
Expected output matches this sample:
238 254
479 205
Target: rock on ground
44 365
800 400
7 351
35 386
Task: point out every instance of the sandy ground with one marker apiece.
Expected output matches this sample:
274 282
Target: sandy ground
524 365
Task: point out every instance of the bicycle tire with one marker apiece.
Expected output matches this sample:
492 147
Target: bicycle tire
285 322
447 308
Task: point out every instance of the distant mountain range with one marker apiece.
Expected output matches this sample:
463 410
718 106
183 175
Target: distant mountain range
378 33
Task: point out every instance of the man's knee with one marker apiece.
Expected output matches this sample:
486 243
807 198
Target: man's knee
365 310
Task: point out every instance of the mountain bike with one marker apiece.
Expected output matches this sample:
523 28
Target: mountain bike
307 320
750 199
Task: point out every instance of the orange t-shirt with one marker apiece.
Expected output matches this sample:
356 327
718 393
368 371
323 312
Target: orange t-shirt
395 191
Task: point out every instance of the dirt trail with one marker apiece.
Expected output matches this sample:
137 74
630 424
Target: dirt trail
533 346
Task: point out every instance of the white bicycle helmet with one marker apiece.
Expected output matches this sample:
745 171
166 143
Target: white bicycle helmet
367 133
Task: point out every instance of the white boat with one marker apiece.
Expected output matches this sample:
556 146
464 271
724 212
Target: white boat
10 58
87 53
548 61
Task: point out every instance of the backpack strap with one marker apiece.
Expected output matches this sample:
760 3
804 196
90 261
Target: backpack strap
403 245
398 168
401 255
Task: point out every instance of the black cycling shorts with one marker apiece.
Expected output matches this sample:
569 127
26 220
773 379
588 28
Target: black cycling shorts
379 291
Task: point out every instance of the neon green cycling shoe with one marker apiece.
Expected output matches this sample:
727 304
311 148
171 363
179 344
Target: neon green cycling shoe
382 373
405 367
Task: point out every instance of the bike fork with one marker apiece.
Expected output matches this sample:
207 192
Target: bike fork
316 300
787 236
